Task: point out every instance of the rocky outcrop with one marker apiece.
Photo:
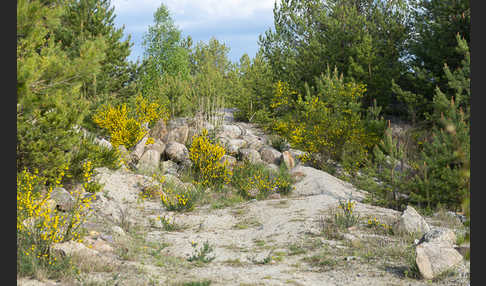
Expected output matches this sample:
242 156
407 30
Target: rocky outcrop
411 222
316 182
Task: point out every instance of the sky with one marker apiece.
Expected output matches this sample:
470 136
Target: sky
237 23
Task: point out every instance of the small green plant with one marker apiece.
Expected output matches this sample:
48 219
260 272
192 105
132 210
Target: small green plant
174 196
168 225
256 181
346 218
329 228
201 254
412 270
89 185
378 226
196 283
322 261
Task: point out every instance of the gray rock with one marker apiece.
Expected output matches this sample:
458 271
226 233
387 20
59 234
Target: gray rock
176 152
169 167
411 222
159 131
253 142
440 235
158 145
230 131
270 155
178 134
149 161
317 182
64 200
251 155
233 145
433 258
139 149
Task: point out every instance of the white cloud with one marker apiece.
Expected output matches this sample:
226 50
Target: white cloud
197 8
200 18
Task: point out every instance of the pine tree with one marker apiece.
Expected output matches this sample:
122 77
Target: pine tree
49 81
445 173
86 20
365 39
436 25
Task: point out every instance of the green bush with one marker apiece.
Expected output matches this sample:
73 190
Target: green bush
327 121
257 181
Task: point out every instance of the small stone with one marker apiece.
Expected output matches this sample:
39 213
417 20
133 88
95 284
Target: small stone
274 196
63 199
118 230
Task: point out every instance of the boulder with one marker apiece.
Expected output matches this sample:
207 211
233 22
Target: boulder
288 160
71 248
64 200
158 145
139 149
411 222
159 131
253 142
270 155
273 167
149 161
230 131
435 253
251 155
233 145
440 235
317 182
178 134
176 152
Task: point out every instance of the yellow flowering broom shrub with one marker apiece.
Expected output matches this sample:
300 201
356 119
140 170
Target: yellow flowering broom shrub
206 159
326 121
125 129
40 224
